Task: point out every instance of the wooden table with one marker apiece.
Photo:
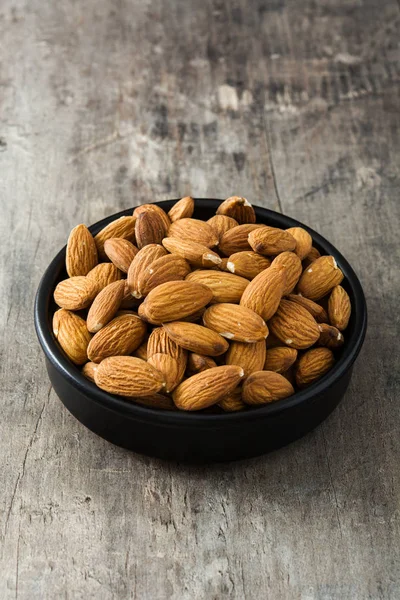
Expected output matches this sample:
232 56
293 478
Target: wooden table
108 104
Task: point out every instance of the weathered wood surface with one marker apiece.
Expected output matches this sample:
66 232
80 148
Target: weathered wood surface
107 104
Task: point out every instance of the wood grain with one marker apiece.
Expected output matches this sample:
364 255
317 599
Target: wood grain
108 104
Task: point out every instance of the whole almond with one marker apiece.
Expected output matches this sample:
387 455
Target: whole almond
198 362
196 338
280 359
224 286
196 254
121 252
292 264
121 336
221 224
128 376
207 388
81 253
263 387
238 208
160 343
104 274
330 336
194 229
251 357
271 240
232 402
88 370
174 300
312 365
158 401
235 323
303 241
124 227
237 239
264 292
105 305
319 278
317 311
71 333
339 308
149 229
153 208
294 325
311 256
143 259
247 264
163 269
183 209
75 293
169 367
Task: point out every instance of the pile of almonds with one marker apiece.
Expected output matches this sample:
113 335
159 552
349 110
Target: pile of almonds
173 312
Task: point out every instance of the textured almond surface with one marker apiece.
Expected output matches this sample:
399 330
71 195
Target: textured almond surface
280 359
142 260
104 274
263 387
293 267
89 369
196 338
319 278
339 308
294 325
75 293
251 357
121 252
225 287
157 401
81 253
303 241
197 363
232 402
165 268
271 240
313 365
221 224
105 305
311 256
330 336
169 367
239 209
153 208
264 292
196 254
207 388
121 336
247 264
194 230
235 322
149 229
141 352
183 209
237 239
316 310
71 333
128 376
124 227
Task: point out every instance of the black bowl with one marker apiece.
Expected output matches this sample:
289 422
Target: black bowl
192 437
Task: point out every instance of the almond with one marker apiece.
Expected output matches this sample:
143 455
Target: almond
121 336
235 323
223 266
207 388
165 268
271 240
280 359
303 241
339 308
75 293
311 256
224 286
263 387
105 305
294 325
251 357
237 239
330 336
124 227
81 253
232 402
153 208
121 252
238 208
293 267
149 229
183 209
264 292
169 367
221 224
319 278
104 274
89 369
128 301
141 352
313 364
198 362
247 264
317 311
174 300
128 376
196 254
72 335
194 229
143 259
160 343
196 338
155 401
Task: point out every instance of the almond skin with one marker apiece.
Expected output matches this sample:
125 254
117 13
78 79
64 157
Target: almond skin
128 301
71 333
124 227
294 326
104 274
198 362
224 286
141 352
271 240
153 208
75 293
280 359
237 239
251 357
165 268
247 264
143 259
183 209
169 367
339 308
237 208
105 305
149 229
160 343
128 376
232 402
264 292
89 369
330 336
194 229
196 338
121 252
221 224
313 365
158 401
235 322
207 388
319 278
196 254
311 256
317 311
303 241
263 387
81 254
292 264
121 336
174 300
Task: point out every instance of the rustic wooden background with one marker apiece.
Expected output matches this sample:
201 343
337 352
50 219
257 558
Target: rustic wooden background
105 104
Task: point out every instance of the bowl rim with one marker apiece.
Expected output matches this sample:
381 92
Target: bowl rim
128 408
